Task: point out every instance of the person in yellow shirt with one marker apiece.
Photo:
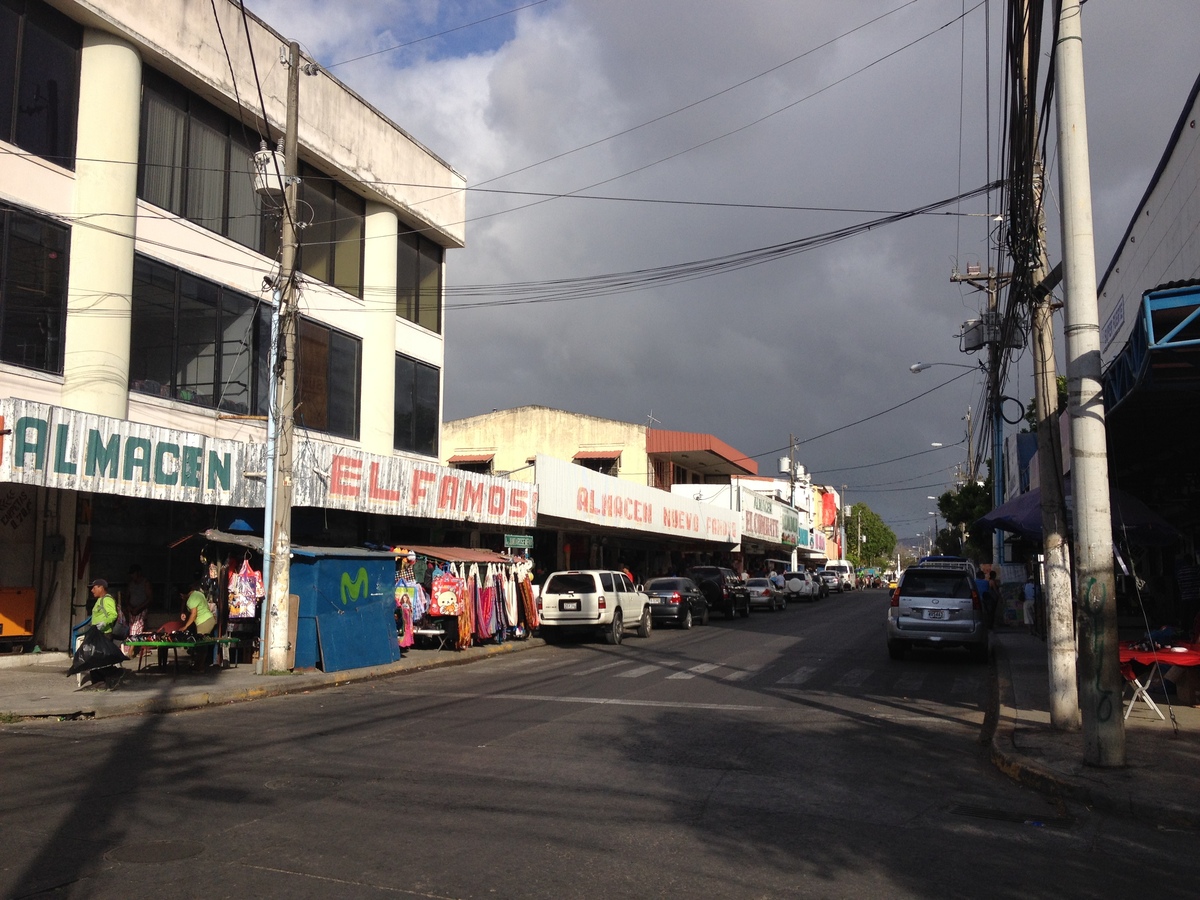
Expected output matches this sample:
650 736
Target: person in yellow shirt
104 611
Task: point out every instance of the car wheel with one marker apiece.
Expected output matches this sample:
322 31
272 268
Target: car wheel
746 610
616 629
704 615
896 649
782 603
646 625
730 610
686 621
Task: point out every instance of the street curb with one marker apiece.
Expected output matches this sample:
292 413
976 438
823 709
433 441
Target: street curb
303 682
1023 770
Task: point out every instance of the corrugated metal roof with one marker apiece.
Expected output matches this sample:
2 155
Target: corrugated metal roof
598 454
471 458
661 441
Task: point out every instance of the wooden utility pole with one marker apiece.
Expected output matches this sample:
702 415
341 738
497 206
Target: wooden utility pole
1100 682
278 540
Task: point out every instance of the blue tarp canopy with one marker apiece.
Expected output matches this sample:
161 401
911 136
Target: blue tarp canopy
1132 519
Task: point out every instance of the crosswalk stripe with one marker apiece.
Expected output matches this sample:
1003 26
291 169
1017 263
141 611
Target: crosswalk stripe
594 670
854 678
744 673
799 676
638 672
910 683
694 671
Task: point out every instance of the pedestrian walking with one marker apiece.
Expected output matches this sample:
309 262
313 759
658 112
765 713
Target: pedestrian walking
1028 606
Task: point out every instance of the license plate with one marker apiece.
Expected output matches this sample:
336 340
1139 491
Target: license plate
568 605
935 614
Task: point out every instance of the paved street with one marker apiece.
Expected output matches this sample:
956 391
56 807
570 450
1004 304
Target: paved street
784 755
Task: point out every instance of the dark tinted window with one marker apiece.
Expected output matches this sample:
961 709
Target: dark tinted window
667 584
417 408
197 341
327 378
606 581
195 162
39 57
332 239
570 583
33 290
419 280
758 582
932 583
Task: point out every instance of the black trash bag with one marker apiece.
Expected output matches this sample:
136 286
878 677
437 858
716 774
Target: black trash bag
97 651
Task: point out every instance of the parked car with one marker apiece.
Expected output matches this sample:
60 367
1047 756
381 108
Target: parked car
799 586
831 580
936 607
763 593
722 589
677 601
595 599
845 572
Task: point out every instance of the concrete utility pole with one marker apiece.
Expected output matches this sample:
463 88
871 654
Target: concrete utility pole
283 400
1100 681
1060 626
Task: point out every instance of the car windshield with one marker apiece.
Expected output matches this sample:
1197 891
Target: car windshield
757 582
931 583
665 584
571 583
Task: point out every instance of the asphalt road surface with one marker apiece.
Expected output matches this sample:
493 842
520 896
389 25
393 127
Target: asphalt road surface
780 756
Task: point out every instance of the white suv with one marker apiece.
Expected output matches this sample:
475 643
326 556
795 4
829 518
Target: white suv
599 599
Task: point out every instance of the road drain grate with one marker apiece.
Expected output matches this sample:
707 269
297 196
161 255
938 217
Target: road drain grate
1004 815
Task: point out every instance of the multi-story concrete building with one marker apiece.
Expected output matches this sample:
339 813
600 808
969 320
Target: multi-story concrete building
137 272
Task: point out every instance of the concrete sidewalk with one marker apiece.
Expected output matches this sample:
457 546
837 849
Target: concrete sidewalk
34 685
1160 783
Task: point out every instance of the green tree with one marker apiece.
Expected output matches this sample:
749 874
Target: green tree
877 543
1031 418
961 508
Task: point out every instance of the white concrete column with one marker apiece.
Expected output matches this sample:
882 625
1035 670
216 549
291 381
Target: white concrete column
96 353
379 329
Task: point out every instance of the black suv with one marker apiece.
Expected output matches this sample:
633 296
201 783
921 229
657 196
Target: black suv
722 589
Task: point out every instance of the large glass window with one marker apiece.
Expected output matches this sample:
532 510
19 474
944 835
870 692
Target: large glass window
419 281
417 407
327 382
196 341
195 162
39 79
331 240
33 290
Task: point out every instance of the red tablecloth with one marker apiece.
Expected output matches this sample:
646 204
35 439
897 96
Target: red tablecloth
1188 656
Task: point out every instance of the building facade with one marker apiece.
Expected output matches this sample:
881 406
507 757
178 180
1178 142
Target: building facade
138 275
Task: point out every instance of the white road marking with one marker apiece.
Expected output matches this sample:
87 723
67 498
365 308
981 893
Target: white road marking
799 676
694 671
638 672
593 701
594 670
742 674
854 678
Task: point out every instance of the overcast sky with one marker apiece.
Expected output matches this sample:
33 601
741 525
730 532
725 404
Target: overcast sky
768 122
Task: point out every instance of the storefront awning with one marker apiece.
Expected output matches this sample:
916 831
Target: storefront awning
598 454
455 554
471 458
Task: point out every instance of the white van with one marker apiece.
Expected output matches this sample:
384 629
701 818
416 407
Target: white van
844 570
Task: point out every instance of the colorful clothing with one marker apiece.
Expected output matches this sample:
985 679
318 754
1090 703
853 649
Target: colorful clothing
104 613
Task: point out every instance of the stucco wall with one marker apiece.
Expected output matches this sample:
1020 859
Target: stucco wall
516 435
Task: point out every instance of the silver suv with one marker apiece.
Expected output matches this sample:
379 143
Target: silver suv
936 607
596 599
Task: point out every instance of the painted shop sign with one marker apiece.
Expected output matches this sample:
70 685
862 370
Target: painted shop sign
569 491
69 450
760 517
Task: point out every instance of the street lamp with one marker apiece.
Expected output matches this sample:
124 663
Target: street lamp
922 366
